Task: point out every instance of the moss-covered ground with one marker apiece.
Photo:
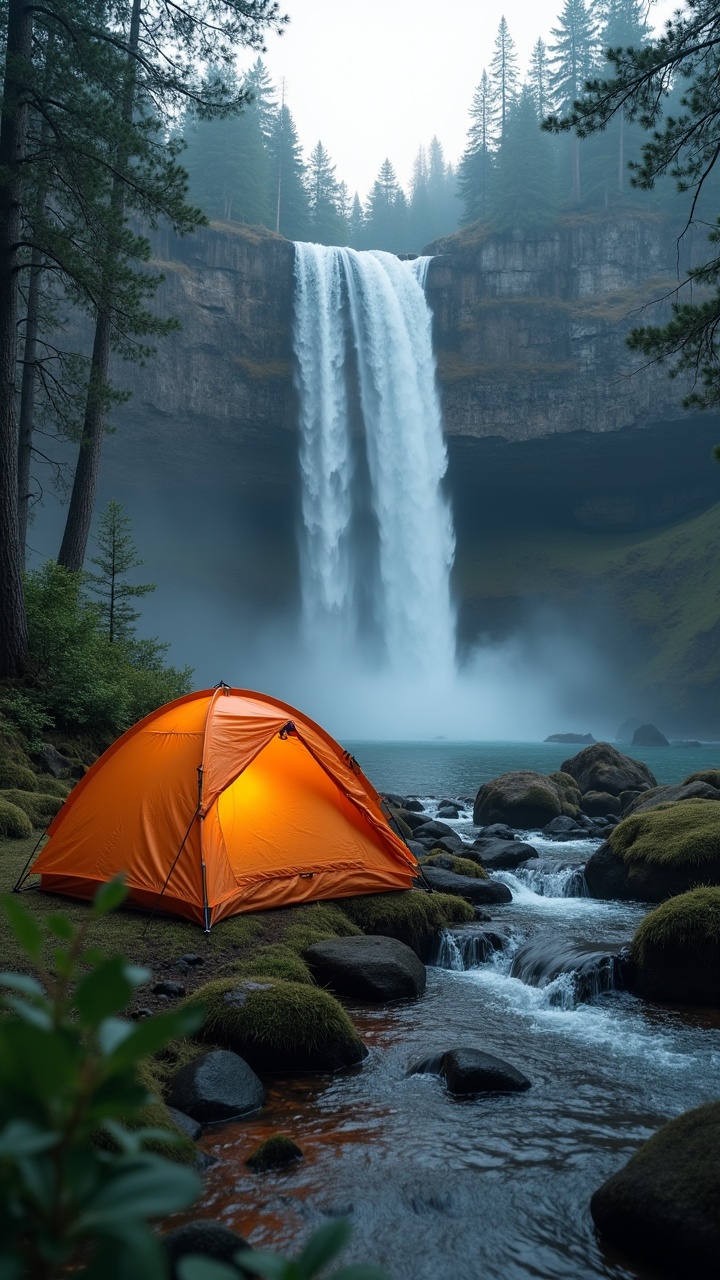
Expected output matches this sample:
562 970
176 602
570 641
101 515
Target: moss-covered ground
686 834
689 922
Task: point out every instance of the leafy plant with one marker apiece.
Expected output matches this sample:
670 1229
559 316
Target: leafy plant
321 1249
77 1187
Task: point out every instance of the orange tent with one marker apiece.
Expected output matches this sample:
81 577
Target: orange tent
221 802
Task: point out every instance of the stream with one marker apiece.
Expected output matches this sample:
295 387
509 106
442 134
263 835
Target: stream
497 1185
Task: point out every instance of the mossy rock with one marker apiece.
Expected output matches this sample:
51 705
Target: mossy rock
521 798
676 950
14 822
274 961
50 786
662 1207
155 1115
276 1152
710 776
601 767
40 809
410 915
451 862
16 776
569 788
402 826
658 853
278 1026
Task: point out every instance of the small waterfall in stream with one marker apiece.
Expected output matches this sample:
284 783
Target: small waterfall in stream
377 538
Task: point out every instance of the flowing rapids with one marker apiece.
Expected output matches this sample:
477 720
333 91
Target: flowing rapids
378 539
494 1187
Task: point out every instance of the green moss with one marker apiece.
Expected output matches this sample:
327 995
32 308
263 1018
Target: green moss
403 827
50 786
14 822
686 833
412 916
277 1025
711 776
689 922
14 775
178 1053
449 861
155 1115
274 1153
40 808
275 961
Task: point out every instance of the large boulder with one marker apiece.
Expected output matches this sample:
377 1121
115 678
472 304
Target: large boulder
522 799
599 804
205 1238
602 767
216 1086
669 795
369 968
662 1207
502 855
659 853
479 892
676 950
468 1071
278 1026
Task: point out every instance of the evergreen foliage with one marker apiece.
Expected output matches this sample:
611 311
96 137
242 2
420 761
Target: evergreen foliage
476 166
504 76
325 199
386 213
228 166
288 188
117 557
524 195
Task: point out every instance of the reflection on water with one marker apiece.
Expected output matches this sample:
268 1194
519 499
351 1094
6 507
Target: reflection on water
490 1187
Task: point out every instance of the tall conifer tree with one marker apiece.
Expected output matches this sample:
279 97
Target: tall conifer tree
504 75
326 221
476 165
288 178
572 58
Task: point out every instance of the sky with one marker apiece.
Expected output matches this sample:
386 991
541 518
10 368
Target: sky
377 78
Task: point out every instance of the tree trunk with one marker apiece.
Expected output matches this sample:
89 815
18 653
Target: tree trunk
27 398
85 481
575 170
13 135
621 155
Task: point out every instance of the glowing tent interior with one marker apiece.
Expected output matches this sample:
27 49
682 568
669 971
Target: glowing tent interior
222 802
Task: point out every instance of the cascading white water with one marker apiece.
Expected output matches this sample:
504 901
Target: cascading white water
364 359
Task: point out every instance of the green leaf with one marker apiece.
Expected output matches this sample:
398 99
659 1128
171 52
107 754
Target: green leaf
197 1267
109 896
20 1138
22 982
103 993
136 975
128 1251
324 1245
27 931
29 1012
140 1187
60 927
111 1034
360 1272
268 1265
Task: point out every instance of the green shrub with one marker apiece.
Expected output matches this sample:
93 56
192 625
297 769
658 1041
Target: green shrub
685 833
40 809
688 921
277 1025
50 786
412 916
14 822
451 862
14 775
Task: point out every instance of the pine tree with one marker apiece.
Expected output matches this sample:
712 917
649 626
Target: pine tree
356 223
476 165
504 76
288 178
327 225
624 25
539 79
117 557
525 194
572 58
386 212
442 195
263 94
228 167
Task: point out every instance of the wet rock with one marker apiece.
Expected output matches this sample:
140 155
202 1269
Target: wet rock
216 1086
563 828
436 830
468 1071
662 1206
648 736
413 820
497 831
668 795
599 804
501 855
413 806
417 848
207 1238
448 811
449 844
676 950
475 891
626 799
521 798
53 762
276 1152
191 960
687 837
395 801
602 767
370 968
192 1128
144 1012
173 990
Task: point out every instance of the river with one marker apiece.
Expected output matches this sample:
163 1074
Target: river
496 1187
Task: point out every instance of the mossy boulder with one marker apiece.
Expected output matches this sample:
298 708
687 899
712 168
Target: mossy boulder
663 1207
656 854
600 804
670 795
521 798
14 822
451 862
568 786
275 961
410 915
14 775
278 1026
377 969
40 809
276 1152
602 767
676 950
710 776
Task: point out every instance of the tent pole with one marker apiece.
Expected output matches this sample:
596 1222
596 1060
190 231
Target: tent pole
17 887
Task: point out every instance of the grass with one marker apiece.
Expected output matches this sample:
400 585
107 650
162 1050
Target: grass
685 834
688 922
711 776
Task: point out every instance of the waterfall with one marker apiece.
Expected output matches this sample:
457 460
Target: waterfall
377 537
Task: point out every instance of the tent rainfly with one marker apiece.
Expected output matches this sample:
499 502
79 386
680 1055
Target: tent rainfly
222 802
